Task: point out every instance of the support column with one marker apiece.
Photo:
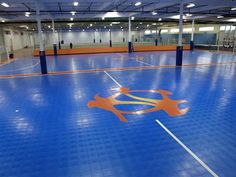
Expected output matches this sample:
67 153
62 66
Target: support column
54 39
179 49
156 41
130 42
59 40
100 31
11 53
110 38
192 36
42 54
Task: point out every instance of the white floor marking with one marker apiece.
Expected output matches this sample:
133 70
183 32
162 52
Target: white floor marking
22 69
188 150
144 63
117 83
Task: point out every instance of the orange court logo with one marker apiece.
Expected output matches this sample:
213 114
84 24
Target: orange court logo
171 107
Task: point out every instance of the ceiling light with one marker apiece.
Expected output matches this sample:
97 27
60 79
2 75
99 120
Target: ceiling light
91 24
71 19
177 17
115 23
137 3
132 18
188 15
220 16
111 15
103 18
5 4
3 21
232 20
190 5
140 23
27 14
49 26
234 8
159 19
154 13
76 3
73 12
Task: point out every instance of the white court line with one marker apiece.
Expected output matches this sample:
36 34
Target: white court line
22 69
188 150
144 63
117 83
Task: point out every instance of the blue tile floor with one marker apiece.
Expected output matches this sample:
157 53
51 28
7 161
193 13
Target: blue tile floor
47 129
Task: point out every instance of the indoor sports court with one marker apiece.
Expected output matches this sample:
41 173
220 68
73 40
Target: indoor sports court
119 88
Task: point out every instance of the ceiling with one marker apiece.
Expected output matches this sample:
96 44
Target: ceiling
89 11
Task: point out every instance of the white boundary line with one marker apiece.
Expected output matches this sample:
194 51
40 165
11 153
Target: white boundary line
188 150
144 63
22 69
117 83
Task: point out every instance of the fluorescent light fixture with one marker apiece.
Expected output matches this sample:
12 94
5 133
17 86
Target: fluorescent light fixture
232 20
190 5
76 3
111 15
164 31
138 3
154 13
220 16
159 19
177 17
5 4
210 28
187 30
73 12
147 32
115 23
233 8
189 15
132 18
174 30
27 14
71 19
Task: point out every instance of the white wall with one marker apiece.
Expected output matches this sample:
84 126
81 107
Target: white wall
19 39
